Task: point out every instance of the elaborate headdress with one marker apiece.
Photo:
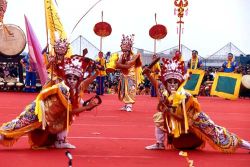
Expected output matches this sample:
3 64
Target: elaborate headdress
74 65
172 68
3 6
61 46
127 42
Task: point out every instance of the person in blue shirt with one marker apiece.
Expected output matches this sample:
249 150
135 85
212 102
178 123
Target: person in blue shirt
230 65
30 69
194 62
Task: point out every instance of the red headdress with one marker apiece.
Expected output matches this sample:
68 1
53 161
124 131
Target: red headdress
61 46
172 69
127 42
74 65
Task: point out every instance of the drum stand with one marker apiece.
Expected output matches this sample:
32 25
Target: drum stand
2 86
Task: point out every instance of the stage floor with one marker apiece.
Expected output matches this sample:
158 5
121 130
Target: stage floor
107 137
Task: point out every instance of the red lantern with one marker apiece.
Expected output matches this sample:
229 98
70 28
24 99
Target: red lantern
102 29
158 31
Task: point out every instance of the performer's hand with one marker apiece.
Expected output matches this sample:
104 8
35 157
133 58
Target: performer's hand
146 71
97 71
92 104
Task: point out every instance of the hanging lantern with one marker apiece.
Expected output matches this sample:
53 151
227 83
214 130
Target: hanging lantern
102 29
158 31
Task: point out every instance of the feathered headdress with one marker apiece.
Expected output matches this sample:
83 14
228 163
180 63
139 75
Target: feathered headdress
172 69
61 46
74 65
127 42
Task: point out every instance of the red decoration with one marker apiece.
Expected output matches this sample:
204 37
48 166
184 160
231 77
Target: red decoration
102 29
158 31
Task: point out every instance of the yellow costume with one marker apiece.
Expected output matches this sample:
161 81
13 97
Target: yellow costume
47 114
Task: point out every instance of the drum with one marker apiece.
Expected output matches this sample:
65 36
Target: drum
38 87
19 86
10 86
12 39
245 86
1 85
111 63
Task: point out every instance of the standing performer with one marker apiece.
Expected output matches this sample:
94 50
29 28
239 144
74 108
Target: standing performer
180 116
55 62
156 69
101 62
130 66
47 119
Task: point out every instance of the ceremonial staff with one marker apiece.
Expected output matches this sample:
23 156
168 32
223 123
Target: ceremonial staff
181 7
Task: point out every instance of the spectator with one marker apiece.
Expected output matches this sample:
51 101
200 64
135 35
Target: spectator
230 65
30 69
194 62
101 62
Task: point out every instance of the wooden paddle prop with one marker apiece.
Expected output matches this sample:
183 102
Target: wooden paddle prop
96 98
151 64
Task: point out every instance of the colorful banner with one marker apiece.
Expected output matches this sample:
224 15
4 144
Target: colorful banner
193 84
54 24
35 52
226 85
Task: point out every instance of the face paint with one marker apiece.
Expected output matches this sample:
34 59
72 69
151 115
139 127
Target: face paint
172 85
72 81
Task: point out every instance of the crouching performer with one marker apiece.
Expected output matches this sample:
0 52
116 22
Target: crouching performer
47 119
180 118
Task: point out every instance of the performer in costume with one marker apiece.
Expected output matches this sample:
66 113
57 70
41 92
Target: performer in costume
155 74
56 61
48 117
180 116
230 65
101 62
194 62
130 66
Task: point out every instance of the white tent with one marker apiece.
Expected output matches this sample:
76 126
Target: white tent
220 56
81 43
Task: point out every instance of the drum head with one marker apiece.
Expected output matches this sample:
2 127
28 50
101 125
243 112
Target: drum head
12 39
246 81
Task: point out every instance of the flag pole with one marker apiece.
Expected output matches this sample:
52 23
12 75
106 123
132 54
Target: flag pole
47 40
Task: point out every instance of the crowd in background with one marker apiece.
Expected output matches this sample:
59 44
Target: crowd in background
111 80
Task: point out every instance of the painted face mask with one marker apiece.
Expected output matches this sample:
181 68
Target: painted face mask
72 81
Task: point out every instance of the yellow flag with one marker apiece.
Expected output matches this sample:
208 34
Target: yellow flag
54 24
